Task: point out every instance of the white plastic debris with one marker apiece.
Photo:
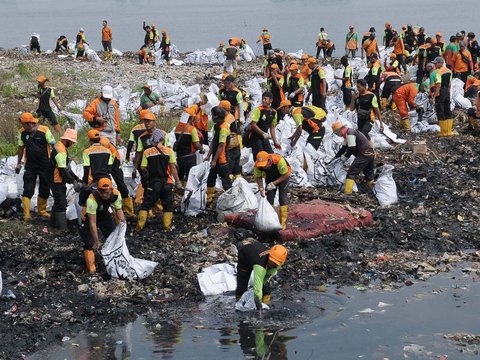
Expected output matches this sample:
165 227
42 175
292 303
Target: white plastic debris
247 302
385 188
217 279
194 200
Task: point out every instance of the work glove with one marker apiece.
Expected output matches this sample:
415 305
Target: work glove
271 186
343 158
179 186
266 135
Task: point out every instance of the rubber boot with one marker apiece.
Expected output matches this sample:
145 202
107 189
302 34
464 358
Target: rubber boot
53 219
90 261
370 184
167 220
450 131
60 220
128 207
57 128
406 124
283 216
210 194
141 220
349 186
383 103
42 207
266 299
443 127
393 106
158 206
26 208
150 215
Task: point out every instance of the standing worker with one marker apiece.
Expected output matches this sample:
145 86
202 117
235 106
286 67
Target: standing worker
275 83
441 97
264 262
295 86
276 171
44 95
374 75
233 95
370 46
356 144
347 81
462 63
34 142
80 45
366 105
159 169
97 160
231 58
234 148
266 41
107 41
103 114
388 35
62 175
318 84
98 217
136 131
321 42
165 46
351 42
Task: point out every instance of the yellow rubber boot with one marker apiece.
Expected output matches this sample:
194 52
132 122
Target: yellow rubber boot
90 261
158 206
141 220
151 215
383 103
443 127
26 209
450 131
42 207
406 124
210 193
128 207
349 186
393 106
283 216
266 299
167 220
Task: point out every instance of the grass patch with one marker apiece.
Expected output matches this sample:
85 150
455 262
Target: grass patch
7 149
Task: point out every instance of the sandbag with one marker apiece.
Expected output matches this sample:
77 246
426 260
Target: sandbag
217 279
385 188
266 219
247 302
238 198
118 261
194 199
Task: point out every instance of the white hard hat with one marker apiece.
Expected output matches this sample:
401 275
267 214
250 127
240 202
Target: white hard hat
107 92
81 30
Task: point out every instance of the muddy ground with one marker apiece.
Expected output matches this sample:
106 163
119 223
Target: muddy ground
432 226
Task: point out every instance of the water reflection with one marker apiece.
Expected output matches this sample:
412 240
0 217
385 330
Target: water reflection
166 336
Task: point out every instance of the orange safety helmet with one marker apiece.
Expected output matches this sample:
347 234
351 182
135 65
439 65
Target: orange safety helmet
284 103
147 115
93 134
278 254
336 126
293 67
27 117
262 159
105 183
225 104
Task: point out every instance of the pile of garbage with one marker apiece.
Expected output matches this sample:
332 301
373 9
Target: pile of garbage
210 56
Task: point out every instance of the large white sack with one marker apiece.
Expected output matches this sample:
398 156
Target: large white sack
217 279
194 199
266 218
385 188
247 302
458 95
316 170
118 261
338 174
238 198
92 55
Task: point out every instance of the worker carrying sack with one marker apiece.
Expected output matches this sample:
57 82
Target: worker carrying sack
266 219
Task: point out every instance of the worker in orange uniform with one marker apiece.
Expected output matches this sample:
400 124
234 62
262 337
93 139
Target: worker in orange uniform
403 96
462 64
370 46
295 86
351 42
103 114
266 41
399 50
107 41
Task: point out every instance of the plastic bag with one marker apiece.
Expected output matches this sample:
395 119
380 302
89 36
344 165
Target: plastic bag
247 302
238 198
118 261
385 188
217 279
194 200
266 219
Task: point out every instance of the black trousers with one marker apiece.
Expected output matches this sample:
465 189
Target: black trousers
315 139
362 163
158 190
117 175
222 170
266 47
107 45
258 145
347 96
49 115
364 126
59 192
185 163
282 193
442 104
233 158
319 101
105 224
44 173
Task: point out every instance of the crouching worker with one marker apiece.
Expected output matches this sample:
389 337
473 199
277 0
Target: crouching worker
474 114
264 262
276 172
159 169
356 144
62 175
98 217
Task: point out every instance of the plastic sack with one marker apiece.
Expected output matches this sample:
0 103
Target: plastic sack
194 199
247 302
385 188
118 261
266 219
238 198
217 279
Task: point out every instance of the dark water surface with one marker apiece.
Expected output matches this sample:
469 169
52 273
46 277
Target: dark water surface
350 324
200 24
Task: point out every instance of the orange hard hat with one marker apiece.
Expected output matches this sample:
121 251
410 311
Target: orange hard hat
284 103
305 56
105 183
27 117
336 126
439 34
42 78
312 60
93 134
274 66
225 104
262 159
147 115
278 254
293 67
70 135
393 56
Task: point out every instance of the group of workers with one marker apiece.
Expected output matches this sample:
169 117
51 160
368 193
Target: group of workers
152 42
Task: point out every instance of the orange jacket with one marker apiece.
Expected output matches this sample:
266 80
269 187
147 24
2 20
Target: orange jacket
106 33
398 47
99 108
236 41
459 65
370 46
